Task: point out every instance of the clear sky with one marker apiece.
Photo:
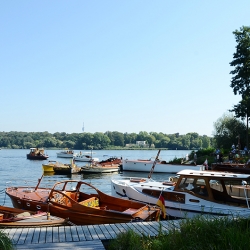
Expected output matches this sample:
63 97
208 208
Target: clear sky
126 66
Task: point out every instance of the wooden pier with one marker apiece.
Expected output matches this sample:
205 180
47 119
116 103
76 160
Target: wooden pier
81 237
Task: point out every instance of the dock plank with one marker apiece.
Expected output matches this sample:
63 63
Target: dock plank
36 235
30 234
55 231
68 234
93 232
105 231
87 233
74 233
62 237
99 232
111 231
80 233
49 235
17 234
78 245
42 236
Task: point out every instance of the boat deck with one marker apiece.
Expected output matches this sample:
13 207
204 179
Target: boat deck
81 237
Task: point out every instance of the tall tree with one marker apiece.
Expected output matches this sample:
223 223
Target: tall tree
240 81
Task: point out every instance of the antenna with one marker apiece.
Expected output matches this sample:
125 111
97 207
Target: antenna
83 127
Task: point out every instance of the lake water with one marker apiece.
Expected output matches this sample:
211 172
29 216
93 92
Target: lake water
16 169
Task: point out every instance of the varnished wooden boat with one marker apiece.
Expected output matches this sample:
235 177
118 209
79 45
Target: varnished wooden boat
81 203
231 167
14 217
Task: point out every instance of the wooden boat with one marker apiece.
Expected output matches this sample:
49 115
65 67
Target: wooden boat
65 154
14 217
81 203
49 167
195 192
37 154
66 169
110 161
61 168
110 165
92 169
231 167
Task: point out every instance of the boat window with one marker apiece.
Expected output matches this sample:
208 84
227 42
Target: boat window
216 184
186 183
70 186
59 186
87 189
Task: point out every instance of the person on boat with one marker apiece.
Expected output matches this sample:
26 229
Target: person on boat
195 158
230 157
246 150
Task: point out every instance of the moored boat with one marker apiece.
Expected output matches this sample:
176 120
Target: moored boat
65 154
231 167
85 157
14 217
160 166
37 154
195 192
81 203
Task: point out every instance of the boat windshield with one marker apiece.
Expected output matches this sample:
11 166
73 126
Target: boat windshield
196 185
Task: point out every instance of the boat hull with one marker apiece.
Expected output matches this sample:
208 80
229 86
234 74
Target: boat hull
37 157
181 203
146 166
231 167
14 217
77 207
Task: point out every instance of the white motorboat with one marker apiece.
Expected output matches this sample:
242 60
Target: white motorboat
65 154
160 166
195 192
86 157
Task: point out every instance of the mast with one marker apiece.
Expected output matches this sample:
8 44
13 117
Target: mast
152 169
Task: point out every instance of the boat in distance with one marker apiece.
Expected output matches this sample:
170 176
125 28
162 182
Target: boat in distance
65 154
194 193
15 217
86 157
160 166
37 154
81 203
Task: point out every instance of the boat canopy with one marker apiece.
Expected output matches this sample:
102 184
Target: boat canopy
221 175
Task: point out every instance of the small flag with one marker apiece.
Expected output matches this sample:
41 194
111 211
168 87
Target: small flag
161 204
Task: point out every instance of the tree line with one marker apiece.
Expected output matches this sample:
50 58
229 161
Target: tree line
107 140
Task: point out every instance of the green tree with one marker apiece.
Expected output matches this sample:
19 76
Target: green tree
240 81
227 130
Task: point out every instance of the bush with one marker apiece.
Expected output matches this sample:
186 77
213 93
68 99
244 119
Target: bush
5 241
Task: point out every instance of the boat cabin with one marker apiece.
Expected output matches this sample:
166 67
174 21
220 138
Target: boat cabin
215 186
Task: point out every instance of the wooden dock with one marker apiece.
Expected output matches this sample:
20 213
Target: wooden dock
81 237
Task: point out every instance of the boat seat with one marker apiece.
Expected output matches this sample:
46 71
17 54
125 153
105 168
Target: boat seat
91 202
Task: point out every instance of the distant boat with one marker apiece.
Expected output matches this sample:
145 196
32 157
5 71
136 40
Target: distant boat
65 154
37 154
160 166
61 168
85 157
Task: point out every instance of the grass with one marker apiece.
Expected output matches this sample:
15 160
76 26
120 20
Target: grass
193 234
5 242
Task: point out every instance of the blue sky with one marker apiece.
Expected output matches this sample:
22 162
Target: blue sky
126 66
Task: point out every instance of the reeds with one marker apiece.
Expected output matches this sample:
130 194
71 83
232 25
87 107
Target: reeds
199 233
5 241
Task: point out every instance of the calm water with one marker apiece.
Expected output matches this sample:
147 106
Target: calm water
16 169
